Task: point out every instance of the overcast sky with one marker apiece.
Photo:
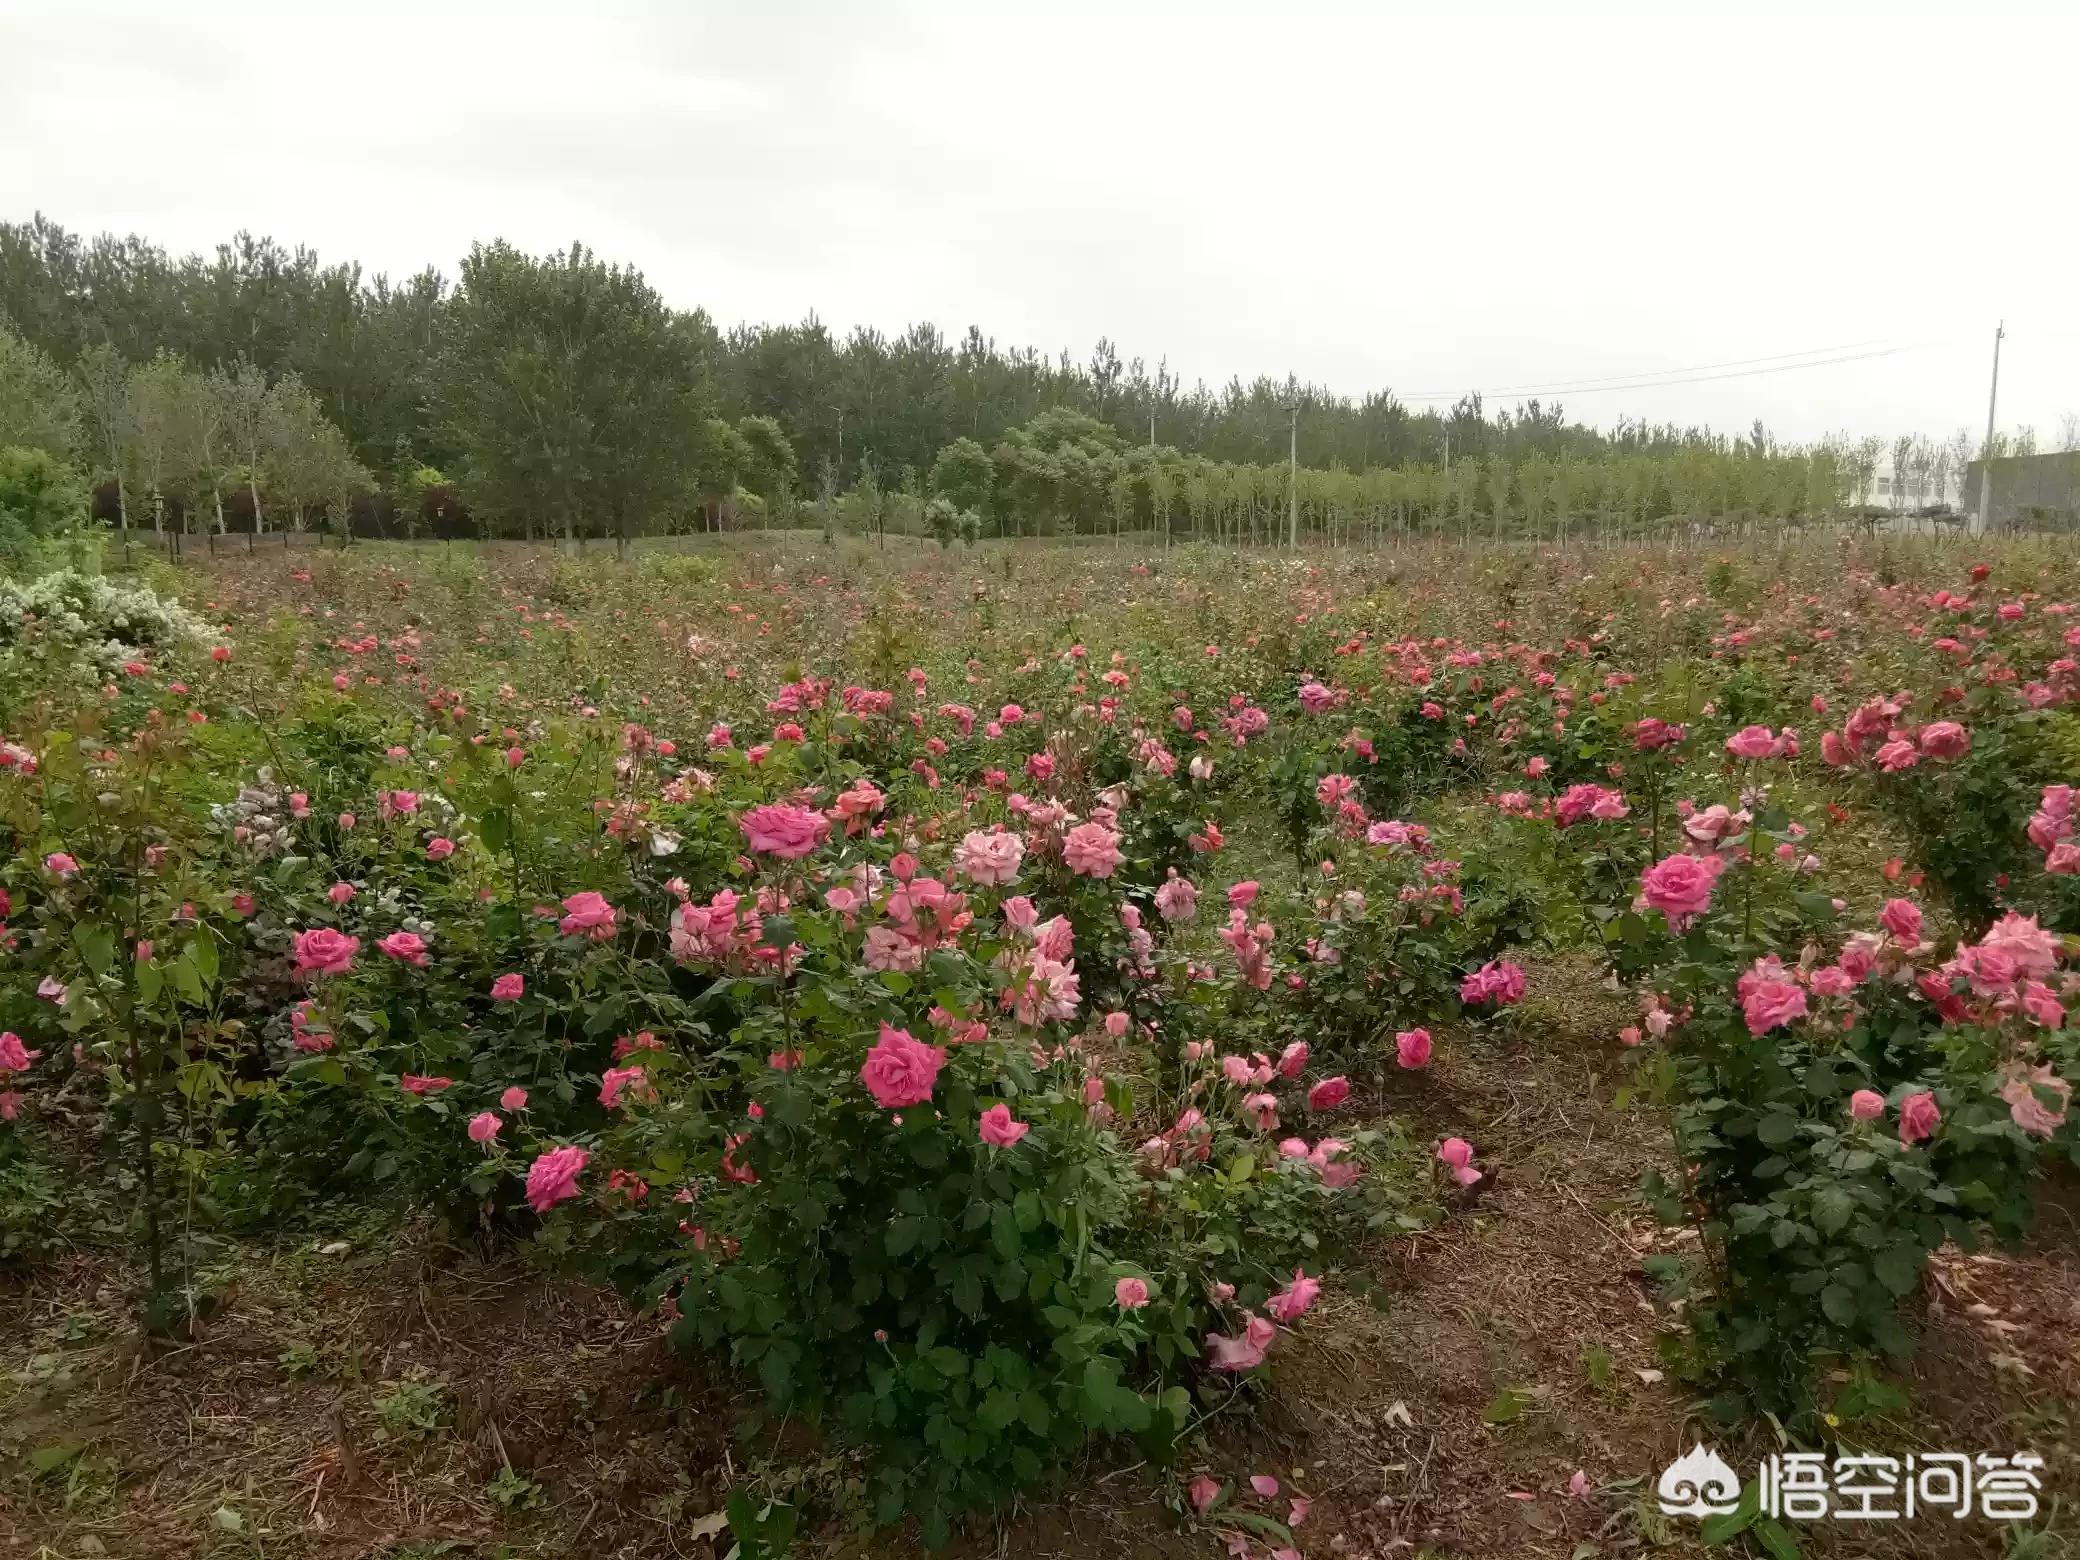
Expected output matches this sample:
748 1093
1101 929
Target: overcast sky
1428 197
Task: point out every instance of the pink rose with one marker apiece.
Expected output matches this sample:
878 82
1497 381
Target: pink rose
1292 1061
508 988
1131 1294
901 1070
777 829
1897 756
996 1127
14 1056
340 893
1918 1118
1944 739
587 915
484 1126
60 865
989 857
439 849
1866 1105
1752 742
1412 1048
515 1098
1092 850
405 947
1770 1003
323 951
2027 1109
1902 918
1203 1493
553 1177
1679 886
1293 1301
1329 1093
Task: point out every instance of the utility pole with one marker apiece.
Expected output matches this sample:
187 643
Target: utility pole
1293 486
841 441
1151 430
1986 455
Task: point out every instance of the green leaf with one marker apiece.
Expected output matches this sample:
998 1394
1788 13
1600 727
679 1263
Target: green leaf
1839 1304
204 951
1507 1407
1899 1268
495 828
1831 1209
1730 1525
1773 1537
96 946
49 1459
1776 1129
903 1233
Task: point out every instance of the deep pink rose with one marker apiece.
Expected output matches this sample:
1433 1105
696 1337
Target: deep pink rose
901 1070
1918 1118
323 951
777 829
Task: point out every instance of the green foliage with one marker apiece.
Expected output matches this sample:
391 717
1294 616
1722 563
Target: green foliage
39 405
40 497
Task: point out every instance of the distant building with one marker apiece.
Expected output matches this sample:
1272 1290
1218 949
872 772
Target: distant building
1890 489
2028 490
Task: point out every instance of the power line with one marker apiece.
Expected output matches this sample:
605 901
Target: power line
1694 376
1656 373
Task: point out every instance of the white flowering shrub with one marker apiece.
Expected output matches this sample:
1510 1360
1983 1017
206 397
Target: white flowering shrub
70 614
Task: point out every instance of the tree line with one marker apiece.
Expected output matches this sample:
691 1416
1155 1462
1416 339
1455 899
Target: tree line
560 394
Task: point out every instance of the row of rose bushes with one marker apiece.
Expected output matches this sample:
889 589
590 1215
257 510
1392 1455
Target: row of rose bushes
929 1098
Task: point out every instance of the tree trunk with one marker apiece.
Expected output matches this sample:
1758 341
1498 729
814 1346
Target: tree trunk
252 487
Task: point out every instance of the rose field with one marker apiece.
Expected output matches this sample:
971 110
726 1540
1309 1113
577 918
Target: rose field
1049 1049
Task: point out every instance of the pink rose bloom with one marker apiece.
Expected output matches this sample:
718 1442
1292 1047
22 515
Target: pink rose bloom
901 1070
1329 1093
405 947
989 857
340 893
1630 1036
515 1098
1245 1352
1292 1061
1131 1294
1902 918
1866 1105
404 802
587 915
1918 1117
1242 895
14 1056
1768 1001
1497 981
1412 1048
1019 913
996 1127
1897 756
1834 751
1832 981
553 1177
1315 699
1944 739
2063 860
2041 1006
484 1126
1752 742
420 1083
60 864
2028 1111
1679 886
617 1082
347 821
1264 1107
1116 1024
1092 850
1204 1492
508 988
323 951
1177 899
439 849
777 829
2034 950
1456 1155
1292 1302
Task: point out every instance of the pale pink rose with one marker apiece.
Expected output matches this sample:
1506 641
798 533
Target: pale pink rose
1131 1294
1203 1493
515 1098
1292 1061
553 1177
508 988
1832 981
1897 756
1768 1001
996 1127
901 1070
989 857
1092 850
1412 1048
2034 950
59 864
1866 1105
1116 1024
1177 899
484 1126
340 893
2028 1111
439 849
